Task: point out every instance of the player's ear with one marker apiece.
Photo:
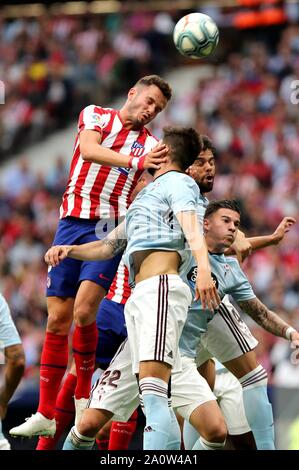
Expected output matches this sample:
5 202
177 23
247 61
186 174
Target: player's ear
132 92
206 224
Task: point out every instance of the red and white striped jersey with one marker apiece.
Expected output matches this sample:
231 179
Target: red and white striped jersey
120 290
98 191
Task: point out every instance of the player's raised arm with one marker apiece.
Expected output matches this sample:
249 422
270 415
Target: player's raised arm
267 319
92 151
243 246
205 287
107 248
276 237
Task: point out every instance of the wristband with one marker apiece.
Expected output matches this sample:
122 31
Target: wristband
288 332
136 163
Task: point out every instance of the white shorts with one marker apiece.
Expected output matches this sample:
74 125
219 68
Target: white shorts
227 336
155 314
230 398
117 390
189 389
8 332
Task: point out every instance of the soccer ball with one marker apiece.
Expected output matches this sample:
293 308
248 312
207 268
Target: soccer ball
195 35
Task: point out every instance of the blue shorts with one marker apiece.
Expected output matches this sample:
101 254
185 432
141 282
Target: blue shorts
8 332
64 280
112 331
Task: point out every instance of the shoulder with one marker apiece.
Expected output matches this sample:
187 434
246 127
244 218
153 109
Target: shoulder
98 110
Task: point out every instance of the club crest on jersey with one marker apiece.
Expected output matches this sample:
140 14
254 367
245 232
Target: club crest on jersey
137 149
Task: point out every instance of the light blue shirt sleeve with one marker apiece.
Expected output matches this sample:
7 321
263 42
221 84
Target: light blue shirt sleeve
242 290
184 196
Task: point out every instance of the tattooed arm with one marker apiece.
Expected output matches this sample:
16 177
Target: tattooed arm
107 248
267 319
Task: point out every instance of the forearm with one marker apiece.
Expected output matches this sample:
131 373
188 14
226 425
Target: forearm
92 152
264 317
195 239
11 381
13 372
104 249
200 253
258 243
92 251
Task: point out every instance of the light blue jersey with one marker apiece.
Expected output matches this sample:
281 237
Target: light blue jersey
151 222
8 332
229 279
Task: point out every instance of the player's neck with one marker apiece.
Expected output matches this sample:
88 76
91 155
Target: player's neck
127 121
165 167
213 246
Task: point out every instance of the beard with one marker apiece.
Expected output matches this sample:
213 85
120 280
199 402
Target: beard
205 187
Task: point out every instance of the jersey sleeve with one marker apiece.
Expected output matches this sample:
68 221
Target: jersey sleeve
242 289
94 118
183 194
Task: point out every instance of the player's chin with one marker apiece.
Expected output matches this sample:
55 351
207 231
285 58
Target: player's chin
228 241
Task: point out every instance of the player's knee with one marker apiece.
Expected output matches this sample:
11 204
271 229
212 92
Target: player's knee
216 431
16 358
89 425
85 313
59 322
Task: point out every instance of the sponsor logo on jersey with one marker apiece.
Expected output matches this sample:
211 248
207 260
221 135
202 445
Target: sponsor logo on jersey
124 171
100 120
192 275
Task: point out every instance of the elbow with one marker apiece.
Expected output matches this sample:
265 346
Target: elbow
85 154
86 151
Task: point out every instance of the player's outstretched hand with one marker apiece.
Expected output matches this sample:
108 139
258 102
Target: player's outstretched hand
242 247
283 228
206 291
56 254
155 157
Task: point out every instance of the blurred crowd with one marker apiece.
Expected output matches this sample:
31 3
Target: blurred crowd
246 106
53 66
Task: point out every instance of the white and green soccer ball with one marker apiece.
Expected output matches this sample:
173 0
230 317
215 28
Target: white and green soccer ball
196 35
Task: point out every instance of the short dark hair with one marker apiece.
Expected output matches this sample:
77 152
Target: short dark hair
207 144
214 206
184 144
163 86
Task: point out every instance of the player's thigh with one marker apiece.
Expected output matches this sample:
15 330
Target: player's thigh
161 370
153 329
242 365
227 336
189 389
209 422
60 314
230 394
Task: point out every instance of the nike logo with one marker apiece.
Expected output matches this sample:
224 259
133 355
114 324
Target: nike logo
86 362
101 276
